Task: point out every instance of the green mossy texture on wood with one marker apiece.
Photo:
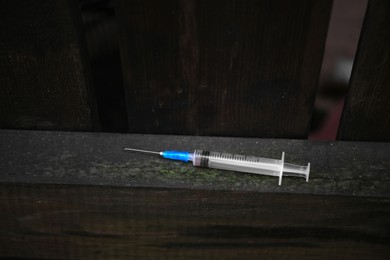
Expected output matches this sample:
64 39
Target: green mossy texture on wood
345 168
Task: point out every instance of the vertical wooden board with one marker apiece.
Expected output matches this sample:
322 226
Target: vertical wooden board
235 68
43 74
366 114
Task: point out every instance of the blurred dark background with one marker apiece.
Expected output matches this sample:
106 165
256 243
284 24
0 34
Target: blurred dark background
342 40
345 24
276 69
101 34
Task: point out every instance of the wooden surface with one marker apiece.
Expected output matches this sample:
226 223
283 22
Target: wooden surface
43 74
343 168
226 68
79 195
366 111
100 32
78 222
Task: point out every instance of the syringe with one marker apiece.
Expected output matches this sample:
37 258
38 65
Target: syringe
236 162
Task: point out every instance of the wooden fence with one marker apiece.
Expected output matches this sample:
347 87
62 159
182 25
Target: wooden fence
179 71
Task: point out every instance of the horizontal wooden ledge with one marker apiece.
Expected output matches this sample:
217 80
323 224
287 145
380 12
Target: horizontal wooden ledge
340 168
56 221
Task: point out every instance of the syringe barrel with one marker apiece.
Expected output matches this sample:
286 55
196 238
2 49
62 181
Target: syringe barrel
237 162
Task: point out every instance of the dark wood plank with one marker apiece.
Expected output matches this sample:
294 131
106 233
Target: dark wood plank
100 32
57 221
44 76
345 168
366 112
233 68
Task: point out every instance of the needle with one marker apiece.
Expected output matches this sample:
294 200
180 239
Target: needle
142 151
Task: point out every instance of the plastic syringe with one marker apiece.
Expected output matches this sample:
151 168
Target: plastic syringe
236 162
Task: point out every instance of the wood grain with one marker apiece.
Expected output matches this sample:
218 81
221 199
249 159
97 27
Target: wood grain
341 168
227 68
366 114
43 72
68 221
